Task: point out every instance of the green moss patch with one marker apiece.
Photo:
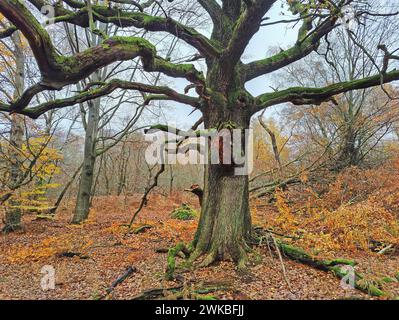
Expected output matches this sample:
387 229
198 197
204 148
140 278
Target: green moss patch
185 212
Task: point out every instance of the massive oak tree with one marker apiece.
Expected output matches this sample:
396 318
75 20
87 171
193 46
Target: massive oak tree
224 229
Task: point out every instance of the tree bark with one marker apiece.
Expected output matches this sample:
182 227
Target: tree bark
349 151
89 158
83 199
225 223
13 215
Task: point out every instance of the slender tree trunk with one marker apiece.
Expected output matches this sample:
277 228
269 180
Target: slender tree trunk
171 179
122 170
273 140
83 200
106 178
13 214
89 158
64 190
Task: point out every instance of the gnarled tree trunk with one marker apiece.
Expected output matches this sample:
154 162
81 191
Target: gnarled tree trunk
225 223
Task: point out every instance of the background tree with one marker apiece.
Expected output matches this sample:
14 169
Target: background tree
356 122
13 212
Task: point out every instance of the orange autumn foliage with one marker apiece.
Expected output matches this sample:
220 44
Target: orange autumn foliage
48 247
360 208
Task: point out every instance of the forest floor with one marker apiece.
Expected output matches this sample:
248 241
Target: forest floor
107 250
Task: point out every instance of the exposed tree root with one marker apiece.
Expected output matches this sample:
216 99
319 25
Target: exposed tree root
209 259
173 252
239 254
194 256
141 229
202 259
242 261
339 267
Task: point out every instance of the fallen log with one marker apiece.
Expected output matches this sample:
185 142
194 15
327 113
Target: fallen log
69 254
156 293
336 266
129 271
387 249
141 229
182 291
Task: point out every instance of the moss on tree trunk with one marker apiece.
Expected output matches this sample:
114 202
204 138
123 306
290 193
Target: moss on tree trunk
225 223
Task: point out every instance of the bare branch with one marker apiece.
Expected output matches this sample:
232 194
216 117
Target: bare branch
302 95
90 94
